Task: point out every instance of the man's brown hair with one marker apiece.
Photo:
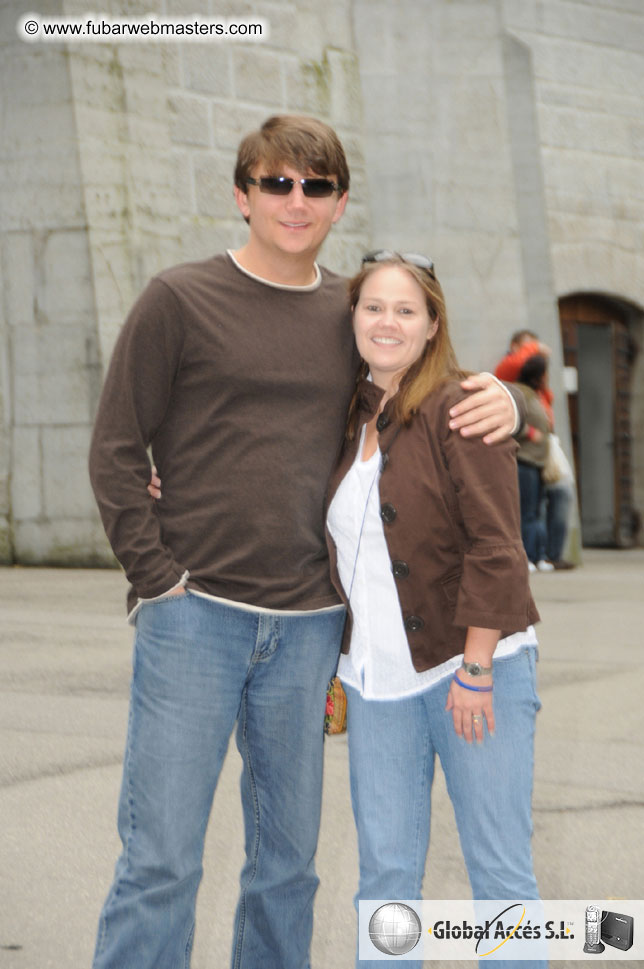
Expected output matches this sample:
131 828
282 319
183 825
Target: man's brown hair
303 143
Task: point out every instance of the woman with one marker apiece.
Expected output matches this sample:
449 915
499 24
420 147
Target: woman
531 458
558 494
439 653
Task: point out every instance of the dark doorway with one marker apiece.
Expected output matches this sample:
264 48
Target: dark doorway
598 349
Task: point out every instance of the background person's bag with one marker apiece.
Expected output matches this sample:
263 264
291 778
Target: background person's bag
557 466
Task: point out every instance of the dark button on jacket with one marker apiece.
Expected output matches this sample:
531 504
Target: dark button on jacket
388 513
383 421
400 569
413 624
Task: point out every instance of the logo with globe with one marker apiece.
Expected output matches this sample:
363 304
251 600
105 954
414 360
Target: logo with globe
394 929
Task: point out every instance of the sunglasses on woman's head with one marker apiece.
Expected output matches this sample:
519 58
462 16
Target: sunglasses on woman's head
413 258
313 188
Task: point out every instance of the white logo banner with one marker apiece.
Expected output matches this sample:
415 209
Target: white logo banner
510 929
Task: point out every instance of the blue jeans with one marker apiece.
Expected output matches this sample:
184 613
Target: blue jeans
392 750
558 500
199 667
533 529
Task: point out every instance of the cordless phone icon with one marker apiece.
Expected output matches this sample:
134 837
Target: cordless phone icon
593 930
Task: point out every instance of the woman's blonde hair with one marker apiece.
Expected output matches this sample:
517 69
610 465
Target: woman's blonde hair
437 362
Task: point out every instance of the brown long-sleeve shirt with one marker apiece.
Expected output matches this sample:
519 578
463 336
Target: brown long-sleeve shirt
241 389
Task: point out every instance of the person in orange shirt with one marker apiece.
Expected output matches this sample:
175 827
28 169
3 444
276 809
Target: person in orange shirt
558 496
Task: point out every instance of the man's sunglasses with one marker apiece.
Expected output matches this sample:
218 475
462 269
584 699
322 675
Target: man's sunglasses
414 258
313 188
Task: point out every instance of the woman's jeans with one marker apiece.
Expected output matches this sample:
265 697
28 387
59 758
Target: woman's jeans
533 529
201 666
392 749
558 501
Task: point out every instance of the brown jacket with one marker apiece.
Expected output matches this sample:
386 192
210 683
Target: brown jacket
450 508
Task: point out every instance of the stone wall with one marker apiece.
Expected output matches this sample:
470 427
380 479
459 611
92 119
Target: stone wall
51 367
588 61
120 164
504 137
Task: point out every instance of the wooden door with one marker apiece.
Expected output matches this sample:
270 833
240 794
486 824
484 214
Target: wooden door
597 344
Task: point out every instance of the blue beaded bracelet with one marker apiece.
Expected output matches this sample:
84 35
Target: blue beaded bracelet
476 689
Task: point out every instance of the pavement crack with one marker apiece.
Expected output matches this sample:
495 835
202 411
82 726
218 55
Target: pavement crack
588 808
61 771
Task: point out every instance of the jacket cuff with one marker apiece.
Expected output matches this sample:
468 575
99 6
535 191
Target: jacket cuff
494 589
517 417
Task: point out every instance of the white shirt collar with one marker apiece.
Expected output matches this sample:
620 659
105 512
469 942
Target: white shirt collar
267 282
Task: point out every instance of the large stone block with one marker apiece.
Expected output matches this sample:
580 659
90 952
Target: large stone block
135 8
171 63
181 161
152 199
102 130
208 69
145 92
283 29
202 238
521 14
186 9
231 121
355 221
342 253
213 185
573 64
592 265
346 102
307 87
18 277
189 120
473 206
376 36
39 73
50 375
64 292
66 488
6 542
31 126
26 475
113 274
257 76
97 78
466 41
66 542
593 131
593 24
625 178
41 189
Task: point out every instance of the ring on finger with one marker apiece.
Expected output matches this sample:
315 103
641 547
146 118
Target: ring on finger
477 716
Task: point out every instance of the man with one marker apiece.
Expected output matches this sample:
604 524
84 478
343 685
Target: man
238 371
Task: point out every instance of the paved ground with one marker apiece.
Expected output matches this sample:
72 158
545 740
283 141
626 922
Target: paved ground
64 670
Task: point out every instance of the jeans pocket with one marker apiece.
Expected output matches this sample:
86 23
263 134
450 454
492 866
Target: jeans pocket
517 674
164 597
531 659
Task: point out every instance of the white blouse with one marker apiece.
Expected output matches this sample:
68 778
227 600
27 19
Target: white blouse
379 663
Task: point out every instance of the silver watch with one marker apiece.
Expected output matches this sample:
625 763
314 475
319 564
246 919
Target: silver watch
475 669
